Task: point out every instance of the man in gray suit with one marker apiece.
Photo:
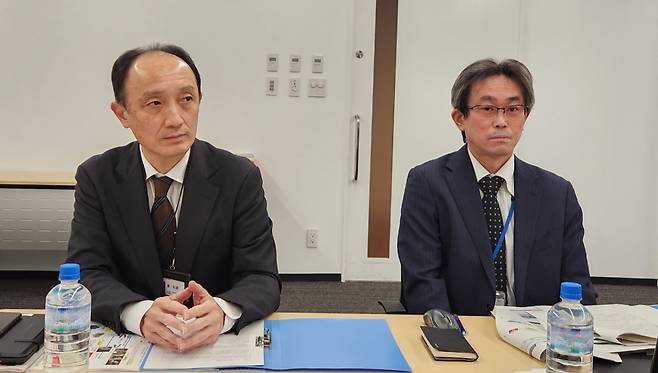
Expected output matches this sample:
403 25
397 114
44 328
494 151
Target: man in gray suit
170 218
479 226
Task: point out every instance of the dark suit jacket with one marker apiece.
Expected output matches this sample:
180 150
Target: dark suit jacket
444 248
224 237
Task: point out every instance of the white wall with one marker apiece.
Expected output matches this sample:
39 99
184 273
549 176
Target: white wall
56 93
596 86
596 82
595 124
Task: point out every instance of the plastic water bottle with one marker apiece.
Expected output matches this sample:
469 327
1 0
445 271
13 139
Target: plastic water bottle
68 318
570 333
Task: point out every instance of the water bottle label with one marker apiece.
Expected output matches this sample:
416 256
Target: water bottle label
68 319
572 340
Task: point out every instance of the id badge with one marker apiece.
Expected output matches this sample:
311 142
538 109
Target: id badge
501 298
175 282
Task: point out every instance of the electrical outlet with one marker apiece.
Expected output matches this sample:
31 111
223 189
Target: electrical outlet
312 238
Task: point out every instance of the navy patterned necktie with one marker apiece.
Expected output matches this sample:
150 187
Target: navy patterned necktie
489 186
164 221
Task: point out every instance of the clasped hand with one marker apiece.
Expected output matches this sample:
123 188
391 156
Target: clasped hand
196 326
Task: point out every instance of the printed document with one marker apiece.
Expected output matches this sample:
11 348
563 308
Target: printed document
617 328
229 350
624 324
519 327
111 351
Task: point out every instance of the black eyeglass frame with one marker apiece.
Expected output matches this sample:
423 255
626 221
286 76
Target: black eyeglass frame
505 109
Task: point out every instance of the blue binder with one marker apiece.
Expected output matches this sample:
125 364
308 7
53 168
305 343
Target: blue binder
326 344
333 344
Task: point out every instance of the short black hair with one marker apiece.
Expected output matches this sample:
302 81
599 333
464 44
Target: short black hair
485 68
126 60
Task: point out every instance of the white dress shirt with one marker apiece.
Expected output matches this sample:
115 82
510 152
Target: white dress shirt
132 313
504 197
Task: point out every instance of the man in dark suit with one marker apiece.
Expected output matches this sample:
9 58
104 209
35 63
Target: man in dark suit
479 226
169 208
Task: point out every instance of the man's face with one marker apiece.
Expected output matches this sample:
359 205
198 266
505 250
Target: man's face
161 107
492 137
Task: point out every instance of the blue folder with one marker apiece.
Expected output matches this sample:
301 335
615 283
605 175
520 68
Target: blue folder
329 344
333 344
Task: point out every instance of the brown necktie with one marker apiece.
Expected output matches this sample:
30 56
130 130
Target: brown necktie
164 221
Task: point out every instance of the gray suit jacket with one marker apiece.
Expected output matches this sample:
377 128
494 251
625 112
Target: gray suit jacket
224 237
444 248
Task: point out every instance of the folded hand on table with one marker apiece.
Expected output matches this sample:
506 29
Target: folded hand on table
168 323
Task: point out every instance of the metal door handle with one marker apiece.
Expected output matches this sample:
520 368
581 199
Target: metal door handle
357 120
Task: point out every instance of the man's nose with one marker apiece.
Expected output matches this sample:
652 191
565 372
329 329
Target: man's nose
500 120
173 115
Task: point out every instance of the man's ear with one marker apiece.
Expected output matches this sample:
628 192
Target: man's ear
458 118
120 112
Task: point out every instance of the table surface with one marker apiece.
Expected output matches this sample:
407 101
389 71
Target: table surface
496 356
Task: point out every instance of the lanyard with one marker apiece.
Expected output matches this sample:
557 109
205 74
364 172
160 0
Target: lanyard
173 253
501 238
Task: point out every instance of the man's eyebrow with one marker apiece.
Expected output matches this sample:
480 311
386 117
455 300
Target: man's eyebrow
150 94
188 88
492 99
159 92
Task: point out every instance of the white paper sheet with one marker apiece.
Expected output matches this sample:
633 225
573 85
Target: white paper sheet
109 351
625 324
229 350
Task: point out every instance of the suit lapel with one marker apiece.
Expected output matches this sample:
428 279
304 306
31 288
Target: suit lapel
527 193
199 198
131 197
461 180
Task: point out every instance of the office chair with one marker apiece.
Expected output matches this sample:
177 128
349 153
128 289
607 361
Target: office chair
392 307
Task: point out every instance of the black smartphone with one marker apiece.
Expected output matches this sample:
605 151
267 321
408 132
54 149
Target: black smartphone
8 320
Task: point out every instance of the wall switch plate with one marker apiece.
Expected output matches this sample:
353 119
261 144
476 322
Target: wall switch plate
317 63
271 86
312 238
272 62
294 87
295 63
317 87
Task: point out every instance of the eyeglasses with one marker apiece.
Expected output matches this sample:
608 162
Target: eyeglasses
509 111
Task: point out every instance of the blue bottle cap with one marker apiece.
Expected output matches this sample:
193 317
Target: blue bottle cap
69 271
571 291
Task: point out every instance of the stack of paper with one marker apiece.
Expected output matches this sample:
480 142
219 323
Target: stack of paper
617 328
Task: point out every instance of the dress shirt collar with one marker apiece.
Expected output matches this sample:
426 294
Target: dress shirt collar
177 173
506 171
